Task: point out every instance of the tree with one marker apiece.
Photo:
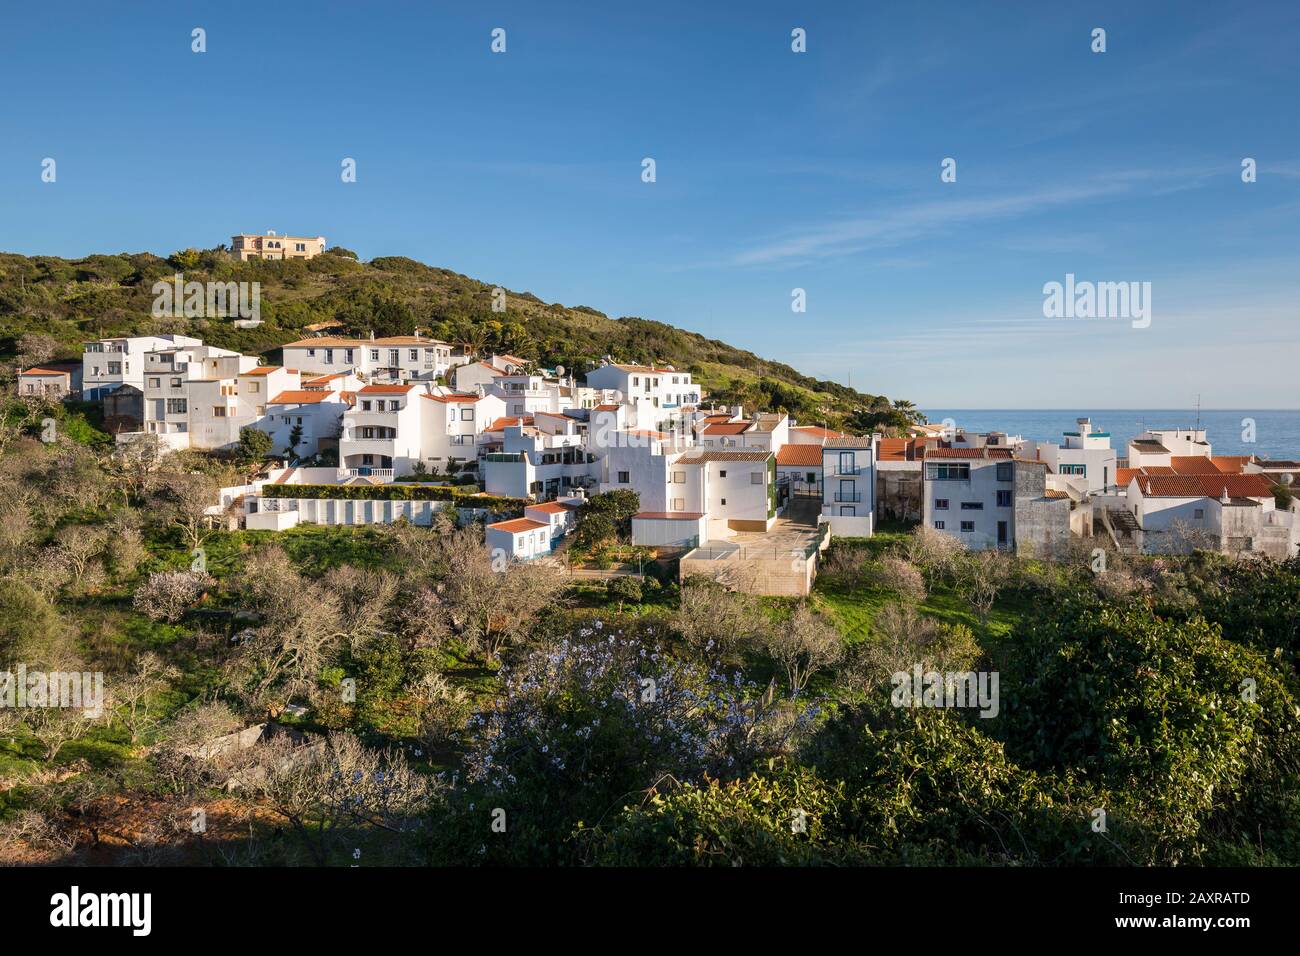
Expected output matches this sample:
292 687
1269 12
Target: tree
167 595
980 577
617 507
803 645
295 439
182 499
254 444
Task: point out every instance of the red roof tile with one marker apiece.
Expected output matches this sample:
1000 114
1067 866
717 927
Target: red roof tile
1204 486
300 397
387 389
803 456
515 525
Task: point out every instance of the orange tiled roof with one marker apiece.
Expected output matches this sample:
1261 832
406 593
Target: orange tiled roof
455 398
1204 486
550 507
1230 464
45 371
800 455
262 370
506 422
984 452
515 525
727 428
605 408
1193 465
386 389
818 432
300 397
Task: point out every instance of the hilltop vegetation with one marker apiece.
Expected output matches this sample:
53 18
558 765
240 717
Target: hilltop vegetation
75 300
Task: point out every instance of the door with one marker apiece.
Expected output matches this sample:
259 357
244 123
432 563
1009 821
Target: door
1002 533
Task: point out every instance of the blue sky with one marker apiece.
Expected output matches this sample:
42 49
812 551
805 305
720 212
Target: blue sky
775 170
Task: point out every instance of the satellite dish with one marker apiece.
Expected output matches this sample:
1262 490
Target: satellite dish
1287 478
618 397
559 370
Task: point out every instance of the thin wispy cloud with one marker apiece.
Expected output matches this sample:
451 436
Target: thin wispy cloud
917 221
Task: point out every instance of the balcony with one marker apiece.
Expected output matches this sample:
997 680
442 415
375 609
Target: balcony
368 471
504 456
848 497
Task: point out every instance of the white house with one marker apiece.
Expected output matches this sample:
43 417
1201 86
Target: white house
382 432
111 362
654 394
1085 462
849 485
397 358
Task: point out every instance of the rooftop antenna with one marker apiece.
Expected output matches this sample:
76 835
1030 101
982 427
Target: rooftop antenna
1198 411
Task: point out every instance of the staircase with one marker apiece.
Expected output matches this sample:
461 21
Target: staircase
1123 529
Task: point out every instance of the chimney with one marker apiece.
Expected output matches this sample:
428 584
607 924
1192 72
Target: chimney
1223 498
372 335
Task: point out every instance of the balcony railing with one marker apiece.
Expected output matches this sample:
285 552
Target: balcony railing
504 456
366 471
848 496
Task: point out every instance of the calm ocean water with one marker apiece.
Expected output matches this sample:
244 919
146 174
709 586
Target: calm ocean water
1277 432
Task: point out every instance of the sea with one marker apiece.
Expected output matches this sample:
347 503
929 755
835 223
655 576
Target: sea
1272 433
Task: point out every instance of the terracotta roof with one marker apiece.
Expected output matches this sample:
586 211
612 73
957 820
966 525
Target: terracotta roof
515 525
513 359
322 379
45 371
1193 465
697 457
1204 486
901 449
606 408
488 365
455 398
1053 493
501 423
262 370
550 507
1230 464
985 452
300 397
387 389
727 428
670 515
1149 447
818 431
802 455
712 419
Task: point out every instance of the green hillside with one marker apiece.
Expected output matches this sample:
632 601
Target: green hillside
71 301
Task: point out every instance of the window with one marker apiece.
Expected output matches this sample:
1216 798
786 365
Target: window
1004 471
347 356
624 477
968 526
940 504
1198 513
114 368
635 381
678 504
414 355
365 405
374 355
722 473
254 387
939 525
176 383
155 383
847 465
467 414
812 477
1074 470
176 406
329 356
678 478
972 506
756 477
946 472
1004 499
311 353
218 411
724 502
